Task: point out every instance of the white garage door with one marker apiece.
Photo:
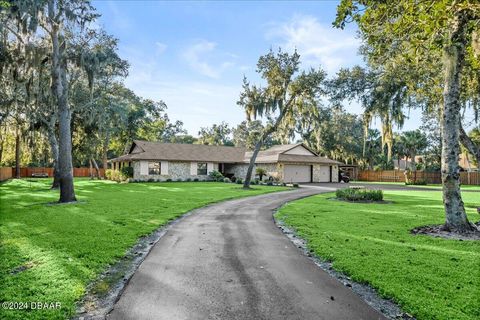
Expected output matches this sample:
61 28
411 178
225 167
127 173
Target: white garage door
297 173
324 174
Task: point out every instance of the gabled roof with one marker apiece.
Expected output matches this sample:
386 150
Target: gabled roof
145 150
182 152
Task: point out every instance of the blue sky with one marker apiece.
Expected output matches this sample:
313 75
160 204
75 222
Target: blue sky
193 55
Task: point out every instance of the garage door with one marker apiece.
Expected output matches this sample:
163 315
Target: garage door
324 174
297 173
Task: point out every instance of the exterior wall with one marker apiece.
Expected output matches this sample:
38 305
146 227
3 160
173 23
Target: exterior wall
240 170
335 173
176 170
301 151
317 172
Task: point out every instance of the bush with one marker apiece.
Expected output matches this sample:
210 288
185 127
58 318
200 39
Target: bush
188 179
295 185
195 180
227 180
116 175
127 172
169 180
359 194
254 182
239 181
261 172
108 174
179 180
419 182
151 180
215 175
270 183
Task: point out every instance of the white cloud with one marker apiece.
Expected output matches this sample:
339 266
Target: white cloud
317 43
160 47
199 54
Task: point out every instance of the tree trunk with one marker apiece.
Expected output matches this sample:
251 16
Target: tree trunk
248 177
52 139
469 145
258 146
454 55
17 153
97 170
60 91
90 169
104 154
414 167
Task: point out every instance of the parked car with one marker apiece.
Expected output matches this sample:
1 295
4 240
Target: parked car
343 177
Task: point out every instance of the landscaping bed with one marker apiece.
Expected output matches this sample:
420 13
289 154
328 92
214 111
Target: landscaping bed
430 278
51 253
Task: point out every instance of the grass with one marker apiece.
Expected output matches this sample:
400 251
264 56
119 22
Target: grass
50 253
431 278
430 186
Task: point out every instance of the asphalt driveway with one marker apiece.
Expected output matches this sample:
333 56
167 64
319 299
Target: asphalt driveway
230 261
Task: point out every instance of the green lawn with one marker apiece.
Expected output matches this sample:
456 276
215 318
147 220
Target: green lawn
64 247
430 278
431 186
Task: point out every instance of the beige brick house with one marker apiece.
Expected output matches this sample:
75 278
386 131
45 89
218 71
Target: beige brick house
162 161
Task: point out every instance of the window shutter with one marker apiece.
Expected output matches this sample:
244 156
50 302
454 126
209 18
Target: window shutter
164 168
144 168
193 168
210 167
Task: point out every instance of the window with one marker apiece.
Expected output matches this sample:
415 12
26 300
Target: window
201 169
154 168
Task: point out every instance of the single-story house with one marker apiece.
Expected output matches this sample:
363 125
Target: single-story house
162 161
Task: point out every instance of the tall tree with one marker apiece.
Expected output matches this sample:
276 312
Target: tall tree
413 142
286 92
415 31
217 135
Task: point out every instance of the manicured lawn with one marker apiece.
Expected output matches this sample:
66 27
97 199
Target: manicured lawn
50 253
430 278
431 186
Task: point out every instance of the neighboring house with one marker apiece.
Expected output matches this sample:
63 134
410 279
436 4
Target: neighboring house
161 161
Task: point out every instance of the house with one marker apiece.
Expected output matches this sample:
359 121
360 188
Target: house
162 161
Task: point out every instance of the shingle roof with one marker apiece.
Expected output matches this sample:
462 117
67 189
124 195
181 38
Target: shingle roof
183 152
198 152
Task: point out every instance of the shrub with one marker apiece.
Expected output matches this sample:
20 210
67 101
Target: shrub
295 185
270 183
151 180
284 184
239 181
188 179
169 180
419 182
254 182
359 194
179 180
195 180
127 172
108 174
215 175
227 180
261 172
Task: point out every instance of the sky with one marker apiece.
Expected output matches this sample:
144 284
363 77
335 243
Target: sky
193 55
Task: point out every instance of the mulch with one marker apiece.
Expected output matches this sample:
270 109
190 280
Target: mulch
439 231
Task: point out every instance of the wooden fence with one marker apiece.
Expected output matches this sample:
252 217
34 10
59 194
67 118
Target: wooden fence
7 172
472 178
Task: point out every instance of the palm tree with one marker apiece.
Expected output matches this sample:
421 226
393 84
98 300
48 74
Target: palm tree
413 142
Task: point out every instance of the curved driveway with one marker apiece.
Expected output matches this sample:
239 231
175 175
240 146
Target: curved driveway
230 261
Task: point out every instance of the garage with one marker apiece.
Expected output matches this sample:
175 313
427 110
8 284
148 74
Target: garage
324 174
297 173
